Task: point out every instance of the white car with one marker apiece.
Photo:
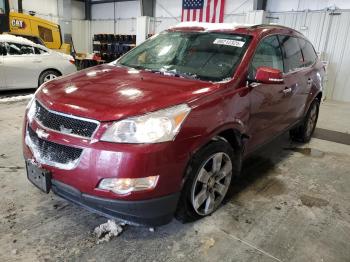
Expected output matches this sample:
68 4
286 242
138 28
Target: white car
24 64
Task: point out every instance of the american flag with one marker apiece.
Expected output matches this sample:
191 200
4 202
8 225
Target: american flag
210 11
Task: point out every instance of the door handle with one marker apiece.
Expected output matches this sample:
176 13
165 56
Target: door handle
287 90
37 61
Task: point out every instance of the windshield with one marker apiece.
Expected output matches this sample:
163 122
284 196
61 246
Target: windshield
205 56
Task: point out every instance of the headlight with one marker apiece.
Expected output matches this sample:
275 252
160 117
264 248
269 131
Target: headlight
126 185
159 126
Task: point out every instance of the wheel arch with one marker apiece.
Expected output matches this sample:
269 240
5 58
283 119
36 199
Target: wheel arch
48 69
232 136
319 96
229 133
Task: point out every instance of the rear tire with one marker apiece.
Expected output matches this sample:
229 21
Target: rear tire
48 76
209 176
304 132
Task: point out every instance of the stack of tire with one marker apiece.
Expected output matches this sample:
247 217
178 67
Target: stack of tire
111 46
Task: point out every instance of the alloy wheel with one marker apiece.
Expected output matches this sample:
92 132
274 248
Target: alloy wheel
49 77
211 184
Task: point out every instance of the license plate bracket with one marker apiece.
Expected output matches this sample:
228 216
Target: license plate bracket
39 177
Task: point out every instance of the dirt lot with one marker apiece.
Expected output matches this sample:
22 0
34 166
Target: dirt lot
292 204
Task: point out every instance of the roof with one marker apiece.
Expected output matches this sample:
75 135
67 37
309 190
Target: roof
256 29
18 40
15 39
211 26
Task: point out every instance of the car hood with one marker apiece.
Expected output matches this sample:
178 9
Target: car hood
109 93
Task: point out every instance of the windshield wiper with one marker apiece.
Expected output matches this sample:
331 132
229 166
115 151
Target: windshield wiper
172 73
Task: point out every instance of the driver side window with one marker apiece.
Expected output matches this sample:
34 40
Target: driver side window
267 54
19 49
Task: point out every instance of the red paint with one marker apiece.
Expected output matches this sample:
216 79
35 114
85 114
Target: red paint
222 8
207 12
201 15
259 112
269 75
213 19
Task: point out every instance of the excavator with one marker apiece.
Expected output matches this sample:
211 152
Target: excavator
34 28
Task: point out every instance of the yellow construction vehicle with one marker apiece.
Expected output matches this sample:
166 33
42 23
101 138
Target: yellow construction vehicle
32 27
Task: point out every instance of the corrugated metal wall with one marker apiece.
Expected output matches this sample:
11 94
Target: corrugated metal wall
330 34
81 34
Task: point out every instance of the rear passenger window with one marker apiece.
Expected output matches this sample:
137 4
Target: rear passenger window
293 58
309 53
267 54
19 49
39 51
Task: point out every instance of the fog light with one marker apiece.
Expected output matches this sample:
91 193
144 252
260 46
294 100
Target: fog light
126 185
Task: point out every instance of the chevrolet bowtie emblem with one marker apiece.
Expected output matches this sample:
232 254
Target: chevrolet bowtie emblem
41 133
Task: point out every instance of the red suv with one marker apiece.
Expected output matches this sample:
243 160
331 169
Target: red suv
164 129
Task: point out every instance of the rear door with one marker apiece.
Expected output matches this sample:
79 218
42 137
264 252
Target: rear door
21 66
309 74
268 101
294 78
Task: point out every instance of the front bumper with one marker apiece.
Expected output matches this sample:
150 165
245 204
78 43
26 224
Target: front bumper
98 160
152 212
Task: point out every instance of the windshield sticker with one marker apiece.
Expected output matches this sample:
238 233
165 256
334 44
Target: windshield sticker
229 42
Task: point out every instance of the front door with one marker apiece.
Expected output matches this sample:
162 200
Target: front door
21 66
268 102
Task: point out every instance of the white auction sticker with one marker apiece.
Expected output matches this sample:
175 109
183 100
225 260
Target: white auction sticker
229 42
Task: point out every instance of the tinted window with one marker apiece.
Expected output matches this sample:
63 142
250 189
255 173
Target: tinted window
19 49
267 54
293 59
309 53
45 34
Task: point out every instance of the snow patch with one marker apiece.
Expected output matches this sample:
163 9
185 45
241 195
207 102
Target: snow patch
15 98
64 130
20 40
47 159
223 81
15 39
105 232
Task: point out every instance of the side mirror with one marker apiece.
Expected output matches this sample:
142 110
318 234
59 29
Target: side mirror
269 75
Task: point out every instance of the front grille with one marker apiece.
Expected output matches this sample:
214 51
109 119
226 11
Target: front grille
51 153
64 124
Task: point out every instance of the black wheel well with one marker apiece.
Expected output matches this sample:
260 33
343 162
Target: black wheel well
319 96
233 137
49 69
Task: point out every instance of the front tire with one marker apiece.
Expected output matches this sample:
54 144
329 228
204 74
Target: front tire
48 76
209 177
304 132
